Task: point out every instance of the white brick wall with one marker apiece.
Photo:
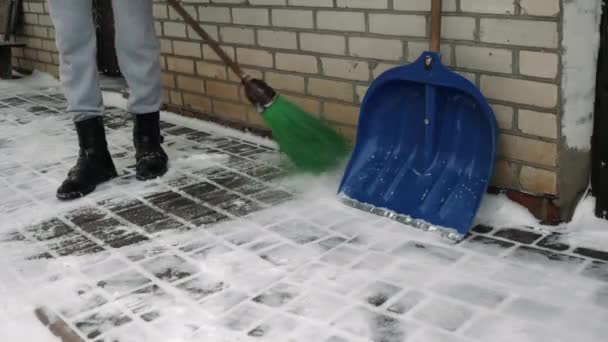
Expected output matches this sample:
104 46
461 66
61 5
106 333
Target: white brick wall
324 54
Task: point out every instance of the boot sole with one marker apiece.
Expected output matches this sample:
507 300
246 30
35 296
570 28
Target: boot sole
76 195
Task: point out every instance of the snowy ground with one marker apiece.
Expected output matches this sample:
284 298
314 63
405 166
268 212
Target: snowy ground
230 247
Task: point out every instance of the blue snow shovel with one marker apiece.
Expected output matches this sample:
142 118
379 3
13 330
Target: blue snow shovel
425 146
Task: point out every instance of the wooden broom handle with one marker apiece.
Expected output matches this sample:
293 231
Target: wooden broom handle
214 45
435 25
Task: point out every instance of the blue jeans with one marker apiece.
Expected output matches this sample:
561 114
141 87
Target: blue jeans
137 49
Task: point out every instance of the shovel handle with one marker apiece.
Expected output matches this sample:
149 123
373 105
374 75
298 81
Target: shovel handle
435 25
212 43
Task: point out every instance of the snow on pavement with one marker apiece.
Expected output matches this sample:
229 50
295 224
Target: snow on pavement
225 247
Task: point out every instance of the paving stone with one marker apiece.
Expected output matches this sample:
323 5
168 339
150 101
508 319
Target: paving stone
592 253
83 298
162 197
201 287
487 245
162 226
275 327
317 305
531 309
240 206
530 255
427 252
406 302
552 242
71 244
223 301
169 268
378 293
473 294
341 256
273 197
373 326
278 295
101 322
104 268
240 148
482 229
177 130
48 230
597 270
142 215
443 314
330 243
120 203
123 282
299 231
518 235
600 297
243 317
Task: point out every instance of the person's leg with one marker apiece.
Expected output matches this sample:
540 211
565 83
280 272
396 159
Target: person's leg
76 42
75 39
138 52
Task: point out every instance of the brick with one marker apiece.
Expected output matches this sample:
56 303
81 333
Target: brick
268 2
299 63
278 39
166 46
536 123
323 43
181 65
520 91
45 56
251 16
538 64
222 90
237 35
231 111
197 102
387 49
254 57
173 15
538 181
422 6
340 113
398 24
348 69
364 4
360 91
486 59
211 30
311 3
189 49
416 49
330 89
209 53
548 8
191 84
519 32
171 29
488 6
504 116
311 105
214 14
341 21
286 82
251 72
45 20
462 28
527 150
176 97
211 70
381 68
168 80
160 11
504 174
292 18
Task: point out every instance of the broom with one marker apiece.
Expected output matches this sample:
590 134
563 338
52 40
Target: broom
307 141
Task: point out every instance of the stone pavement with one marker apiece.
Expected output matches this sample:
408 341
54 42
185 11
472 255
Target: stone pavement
227 248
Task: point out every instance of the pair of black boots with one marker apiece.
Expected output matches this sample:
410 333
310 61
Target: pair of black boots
95 165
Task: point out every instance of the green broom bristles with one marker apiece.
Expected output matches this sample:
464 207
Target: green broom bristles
307 141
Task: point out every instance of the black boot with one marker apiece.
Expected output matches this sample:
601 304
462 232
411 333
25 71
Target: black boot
151 158
94 165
